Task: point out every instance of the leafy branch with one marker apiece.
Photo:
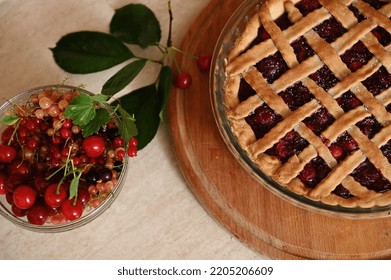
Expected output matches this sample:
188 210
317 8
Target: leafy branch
83 52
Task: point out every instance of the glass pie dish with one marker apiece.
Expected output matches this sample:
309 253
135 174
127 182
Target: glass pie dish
232 31
96 199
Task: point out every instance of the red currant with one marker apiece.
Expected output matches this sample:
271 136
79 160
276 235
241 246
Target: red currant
118 142
55 195
7 153
133 141
72 209
24 197
204 60
132 151
94 146
183 80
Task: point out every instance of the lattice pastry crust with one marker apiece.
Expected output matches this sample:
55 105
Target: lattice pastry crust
242 66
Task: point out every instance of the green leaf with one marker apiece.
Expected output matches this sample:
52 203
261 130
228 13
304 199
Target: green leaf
123 77
87 52
9 120
127 127
73 188
145 105
99 98
102 116
164 89
136 24
80 110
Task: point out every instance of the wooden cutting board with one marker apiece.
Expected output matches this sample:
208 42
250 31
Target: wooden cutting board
265 222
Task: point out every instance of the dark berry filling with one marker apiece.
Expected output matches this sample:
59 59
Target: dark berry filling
369 126
262 120
314 172
272 67
305 7
296 96
302 49
386 149
360 17
348 101
292 143
382 35
245 90
342 192
348 144
356 56
369 176
282 22
376 3
319 121
324 78
330 30
379 81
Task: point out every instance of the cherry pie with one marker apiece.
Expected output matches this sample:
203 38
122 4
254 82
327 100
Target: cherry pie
308 96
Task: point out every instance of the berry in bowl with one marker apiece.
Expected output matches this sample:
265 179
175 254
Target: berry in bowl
62 157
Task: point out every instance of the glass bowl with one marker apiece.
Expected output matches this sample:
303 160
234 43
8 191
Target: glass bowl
230 33
90 211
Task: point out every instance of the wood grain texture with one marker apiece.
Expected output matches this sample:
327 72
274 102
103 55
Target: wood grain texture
254 215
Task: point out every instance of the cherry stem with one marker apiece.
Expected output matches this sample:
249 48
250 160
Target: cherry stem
169 39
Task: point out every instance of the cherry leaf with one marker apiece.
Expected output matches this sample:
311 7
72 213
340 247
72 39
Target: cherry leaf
127 127
145 104
80 110
136 24
123 77
88 51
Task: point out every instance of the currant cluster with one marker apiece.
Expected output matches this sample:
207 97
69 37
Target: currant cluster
49 172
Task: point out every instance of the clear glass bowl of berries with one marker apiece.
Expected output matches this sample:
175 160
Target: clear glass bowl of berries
54 176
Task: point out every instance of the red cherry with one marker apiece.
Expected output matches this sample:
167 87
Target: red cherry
183 80
83 196
17 211
24 197
37 215
7 153
7 134
72 209
94 146
204 60
55 195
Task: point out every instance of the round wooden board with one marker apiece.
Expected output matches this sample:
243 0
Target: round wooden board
265 222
